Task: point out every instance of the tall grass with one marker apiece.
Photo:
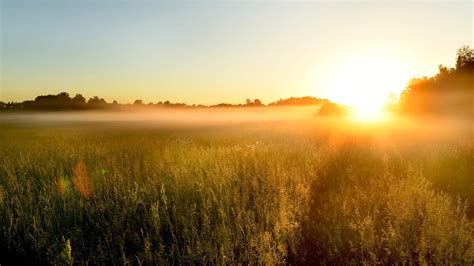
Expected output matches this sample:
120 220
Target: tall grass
223 196
369 206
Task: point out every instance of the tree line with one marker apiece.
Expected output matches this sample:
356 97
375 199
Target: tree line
63 102
450 91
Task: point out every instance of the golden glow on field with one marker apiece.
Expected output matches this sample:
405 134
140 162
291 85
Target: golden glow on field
370 116
366 84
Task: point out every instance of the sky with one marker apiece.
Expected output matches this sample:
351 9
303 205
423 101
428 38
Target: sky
210 52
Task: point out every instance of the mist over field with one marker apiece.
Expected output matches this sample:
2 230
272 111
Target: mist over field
173 116
297 119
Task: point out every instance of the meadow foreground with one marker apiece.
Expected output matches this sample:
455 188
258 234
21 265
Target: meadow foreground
118 193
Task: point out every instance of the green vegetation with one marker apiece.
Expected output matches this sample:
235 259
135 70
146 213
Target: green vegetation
85 193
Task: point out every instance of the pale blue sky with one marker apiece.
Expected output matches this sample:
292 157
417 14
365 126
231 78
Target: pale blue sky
213 51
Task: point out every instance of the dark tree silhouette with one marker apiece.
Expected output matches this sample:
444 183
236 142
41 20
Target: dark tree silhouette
79 99
257 102
96 103
295 101
78 102
450 92
61 101
465 58
254 103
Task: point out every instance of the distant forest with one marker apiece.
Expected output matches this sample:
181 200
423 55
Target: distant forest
63 101
450 91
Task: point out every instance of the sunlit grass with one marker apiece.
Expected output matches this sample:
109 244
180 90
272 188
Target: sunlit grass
229 195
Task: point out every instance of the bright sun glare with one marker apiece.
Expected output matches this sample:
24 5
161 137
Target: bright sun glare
367 84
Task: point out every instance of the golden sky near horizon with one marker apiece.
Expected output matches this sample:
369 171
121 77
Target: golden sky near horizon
210 52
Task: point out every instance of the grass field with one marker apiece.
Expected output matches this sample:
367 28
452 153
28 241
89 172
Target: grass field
118 193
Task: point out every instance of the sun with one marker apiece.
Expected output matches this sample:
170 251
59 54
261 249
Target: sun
366 85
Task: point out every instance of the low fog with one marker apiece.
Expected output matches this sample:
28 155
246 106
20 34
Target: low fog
297 121
164 116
